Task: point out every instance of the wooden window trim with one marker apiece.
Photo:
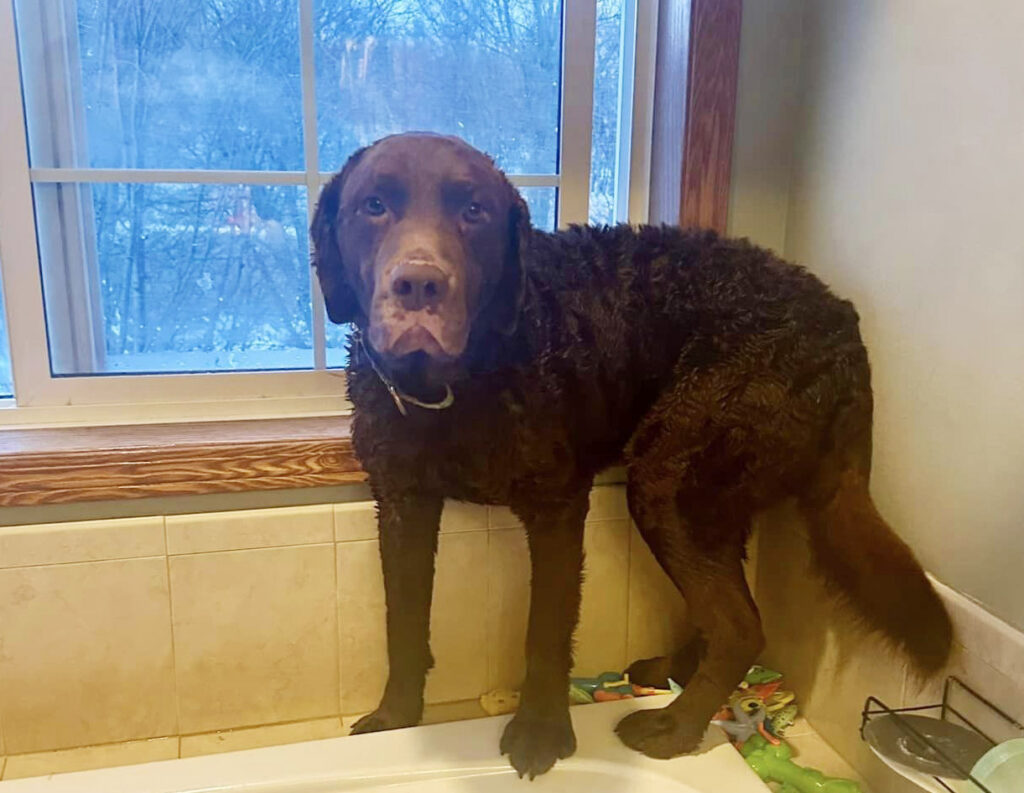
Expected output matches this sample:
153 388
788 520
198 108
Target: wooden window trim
691 157
714 56
695 112
65 465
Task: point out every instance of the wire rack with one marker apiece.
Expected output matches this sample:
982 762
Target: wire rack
960 704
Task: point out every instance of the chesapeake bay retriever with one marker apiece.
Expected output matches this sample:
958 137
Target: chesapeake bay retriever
495 363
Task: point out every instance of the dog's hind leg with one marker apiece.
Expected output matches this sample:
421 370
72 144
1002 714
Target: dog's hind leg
678 667
705 563
700 464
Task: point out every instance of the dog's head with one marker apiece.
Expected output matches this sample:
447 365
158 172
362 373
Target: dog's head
418 241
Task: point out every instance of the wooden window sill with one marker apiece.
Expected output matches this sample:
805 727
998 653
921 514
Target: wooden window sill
66 465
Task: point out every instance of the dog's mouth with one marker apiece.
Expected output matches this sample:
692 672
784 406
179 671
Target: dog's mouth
423 339
418 339
418 364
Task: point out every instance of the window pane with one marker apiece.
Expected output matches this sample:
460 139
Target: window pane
486 70
542 202
337 349
175 277
607 71
6 381
173 84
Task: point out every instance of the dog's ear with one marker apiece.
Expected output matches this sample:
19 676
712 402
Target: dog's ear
339 297
509 294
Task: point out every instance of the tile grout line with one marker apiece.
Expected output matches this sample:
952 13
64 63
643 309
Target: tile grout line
176 737
174 644
107 745
629 587
285 546
3 758
489 649
337 609
338 660
105 560
166 554
339 719
270 725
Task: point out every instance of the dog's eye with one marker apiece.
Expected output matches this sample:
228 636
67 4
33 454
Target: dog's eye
473 212
374 206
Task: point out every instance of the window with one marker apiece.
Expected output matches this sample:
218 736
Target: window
175 149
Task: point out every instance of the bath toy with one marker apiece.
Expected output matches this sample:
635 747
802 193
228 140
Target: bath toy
648 691
761 674
499 702
579 696
781 720
761 686
609 695
778 701
608 687
748 717
773 764
763 690
606 681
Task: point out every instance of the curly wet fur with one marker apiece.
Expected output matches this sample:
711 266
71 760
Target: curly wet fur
725 378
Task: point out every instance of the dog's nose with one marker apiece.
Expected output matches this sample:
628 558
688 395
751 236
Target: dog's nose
418 286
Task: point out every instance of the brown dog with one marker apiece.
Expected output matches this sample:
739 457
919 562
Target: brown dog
499 364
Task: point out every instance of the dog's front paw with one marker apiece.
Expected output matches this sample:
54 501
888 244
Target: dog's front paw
386 718
657 734
533 742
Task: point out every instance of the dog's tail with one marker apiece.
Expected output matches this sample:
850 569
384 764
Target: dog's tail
856 550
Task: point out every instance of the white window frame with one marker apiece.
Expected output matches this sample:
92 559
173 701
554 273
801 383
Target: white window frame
42 399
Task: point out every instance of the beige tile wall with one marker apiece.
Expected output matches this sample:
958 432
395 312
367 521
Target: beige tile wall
833 666
138 629
135 629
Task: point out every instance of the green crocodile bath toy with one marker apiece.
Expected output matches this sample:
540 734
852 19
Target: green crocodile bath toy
773 764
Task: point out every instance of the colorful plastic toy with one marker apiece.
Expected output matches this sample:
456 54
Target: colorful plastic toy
499 702
773 764
761 674
781 720
579 696
748 716
608 687
765 686
607 681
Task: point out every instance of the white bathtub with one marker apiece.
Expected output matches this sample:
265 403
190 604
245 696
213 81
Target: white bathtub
460 756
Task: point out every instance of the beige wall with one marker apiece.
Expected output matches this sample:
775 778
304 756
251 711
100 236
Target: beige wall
766 120
906 194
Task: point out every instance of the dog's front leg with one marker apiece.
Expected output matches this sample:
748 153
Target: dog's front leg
408 527
541 731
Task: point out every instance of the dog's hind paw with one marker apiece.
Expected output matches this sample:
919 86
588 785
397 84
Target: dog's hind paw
651 672
657 734
534 743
